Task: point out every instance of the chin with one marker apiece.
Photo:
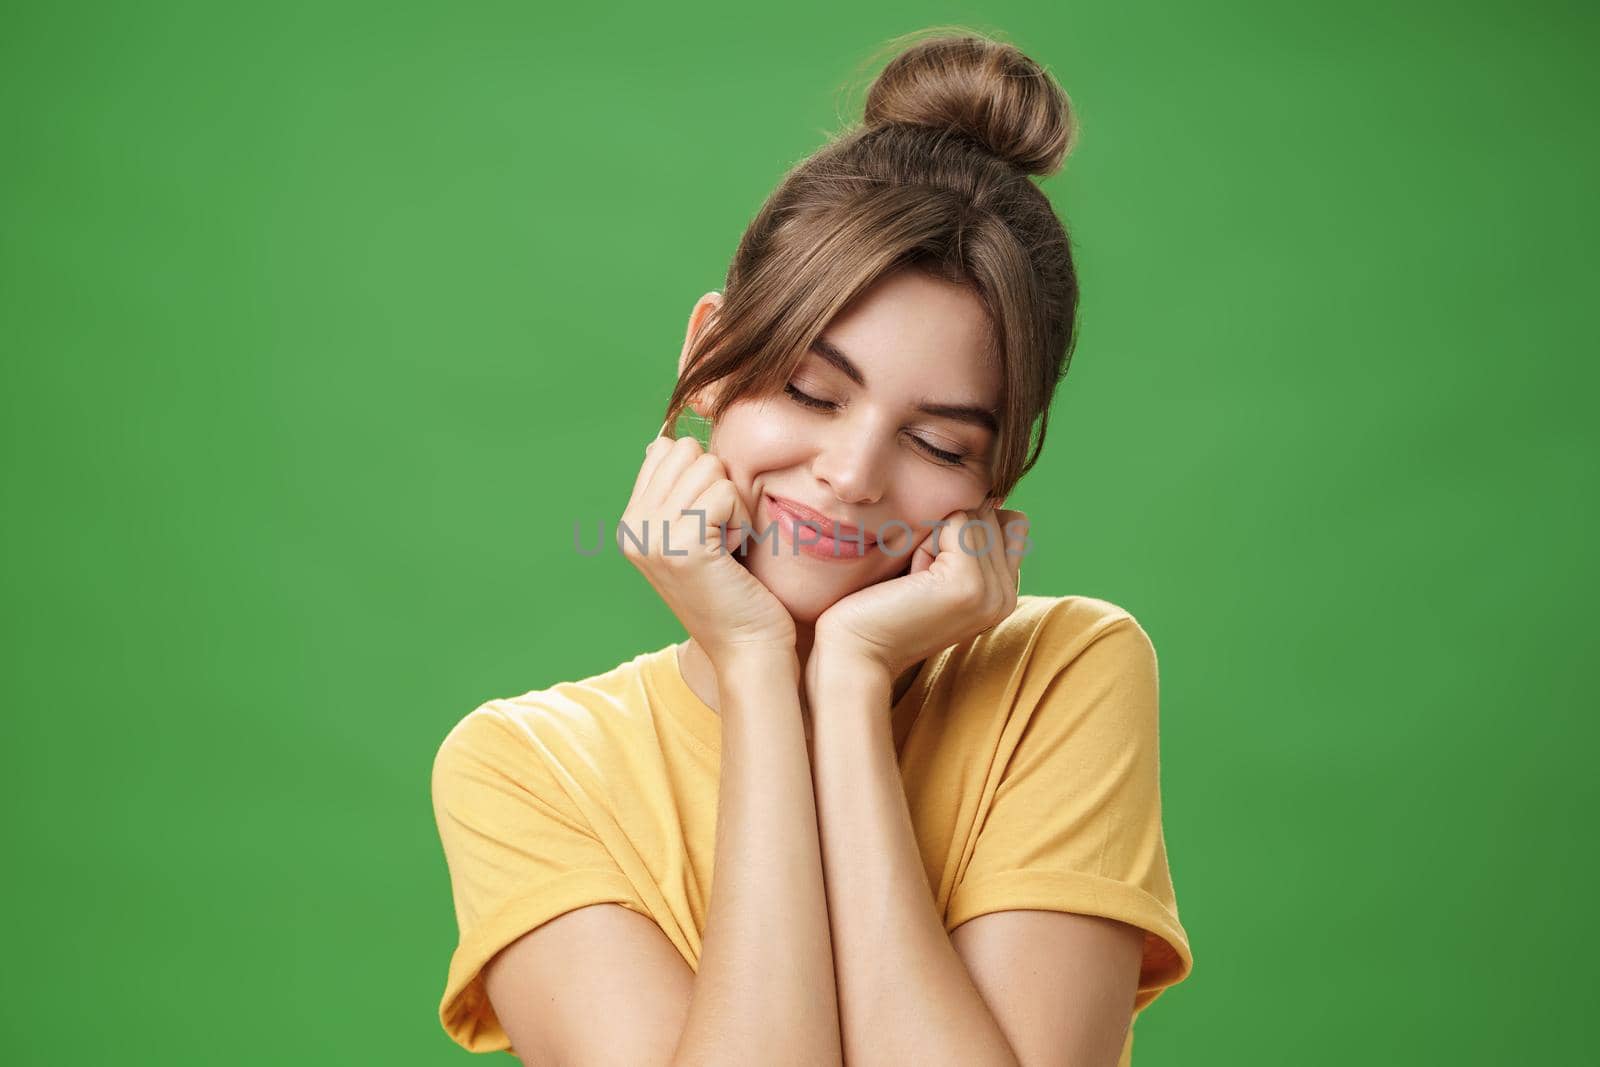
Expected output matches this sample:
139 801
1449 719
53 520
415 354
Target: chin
804 592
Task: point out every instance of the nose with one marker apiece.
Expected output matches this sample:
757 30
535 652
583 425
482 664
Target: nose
852 461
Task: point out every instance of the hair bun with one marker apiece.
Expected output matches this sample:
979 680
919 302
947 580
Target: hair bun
983 88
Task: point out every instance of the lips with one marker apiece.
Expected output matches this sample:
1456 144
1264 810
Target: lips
831 528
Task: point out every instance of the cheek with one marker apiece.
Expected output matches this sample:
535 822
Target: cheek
930 501
752 438
931 495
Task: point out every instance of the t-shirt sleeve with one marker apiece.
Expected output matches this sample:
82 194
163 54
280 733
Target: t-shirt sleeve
519 853
1075 822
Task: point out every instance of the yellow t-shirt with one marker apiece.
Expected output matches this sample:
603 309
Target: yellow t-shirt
1028 754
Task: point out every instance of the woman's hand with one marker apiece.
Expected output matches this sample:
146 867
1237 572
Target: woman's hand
958 585
687 558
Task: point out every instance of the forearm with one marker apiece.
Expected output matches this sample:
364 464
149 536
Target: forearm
764 992
905 996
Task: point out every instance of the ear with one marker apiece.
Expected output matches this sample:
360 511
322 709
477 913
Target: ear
699 318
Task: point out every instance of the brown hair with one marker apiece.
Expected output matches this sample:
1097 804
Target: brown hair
934 178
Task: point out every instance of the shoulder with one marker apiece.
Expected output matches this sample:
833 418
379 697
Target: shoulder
1051 632
553 723
1066 657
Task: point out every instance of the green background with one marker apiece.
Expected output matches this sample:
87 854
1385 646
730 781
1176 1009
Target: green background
323 323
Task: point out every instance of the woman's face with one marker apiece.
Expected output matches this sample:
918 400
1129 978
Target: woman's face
859 448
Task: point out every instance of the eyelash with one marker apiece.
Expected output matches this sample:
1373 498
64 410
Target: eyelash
939 455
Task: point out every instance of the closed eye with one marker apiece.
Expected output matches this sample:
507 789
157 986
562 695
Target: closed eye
939 455
807 399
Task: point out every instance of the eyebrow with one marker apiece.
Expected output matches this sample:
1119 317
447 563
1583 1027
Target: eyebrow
972 413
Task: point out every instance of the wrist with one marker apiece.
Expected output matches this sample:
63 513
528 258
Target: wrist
843 672
760 664
846 652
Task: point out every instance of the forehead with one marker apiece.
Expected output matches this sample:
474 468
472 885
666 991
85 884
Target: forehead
915 334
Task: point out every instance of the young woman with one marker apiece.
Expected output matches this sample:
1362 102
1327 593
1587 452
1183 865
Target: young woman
931 804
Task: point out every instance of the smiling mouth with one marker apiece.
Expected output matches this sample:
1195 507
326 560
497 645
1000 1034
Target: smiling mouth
818 540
